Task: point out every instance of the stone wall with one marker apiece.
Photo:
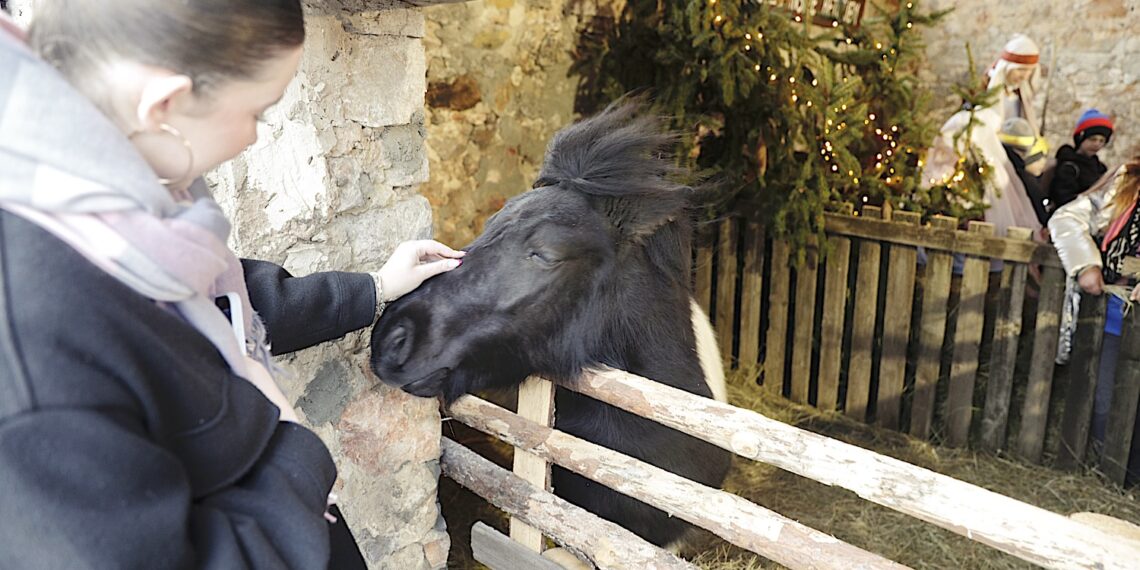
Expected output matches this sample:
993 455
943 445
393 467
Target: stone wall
498 88
1089 47
332 183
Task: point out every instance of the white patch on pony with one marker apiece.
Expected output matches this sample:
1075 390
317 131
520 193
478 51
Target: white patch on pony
708 353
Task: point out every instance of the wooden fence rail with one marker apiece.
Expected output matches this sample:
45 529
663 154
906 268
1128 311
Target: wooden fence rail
917 327
1027 532
608 545
734 519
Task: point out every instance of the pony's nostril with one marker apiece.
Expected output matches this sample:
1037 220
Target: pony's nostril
397 346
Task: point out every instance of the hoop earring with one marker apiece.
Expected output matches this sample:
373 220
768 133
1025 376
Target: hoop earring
185 143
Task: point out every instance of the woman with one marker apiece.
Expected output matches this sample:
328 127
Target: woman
140 426
1105 214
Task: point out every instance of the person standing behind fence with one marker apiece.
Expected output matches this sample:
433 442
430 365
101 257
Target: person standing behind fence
140 423
1107 213
1019 142
1078 167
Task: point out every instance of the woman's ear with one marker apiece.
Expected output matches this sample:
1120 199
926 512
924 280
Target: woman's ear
159 91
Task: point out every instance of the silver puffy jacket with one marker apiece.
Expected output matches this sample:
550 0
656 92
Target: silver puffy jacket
1072 228
1074 225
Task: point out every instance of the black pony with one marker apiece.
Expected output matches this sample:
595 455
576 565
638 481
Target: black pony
590 268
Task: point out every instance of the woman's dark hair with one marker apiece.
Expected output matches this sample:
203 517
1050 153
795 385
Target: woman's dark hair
209 41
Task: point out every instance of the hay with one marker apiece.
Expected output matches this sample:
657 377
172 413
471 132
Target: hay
881 530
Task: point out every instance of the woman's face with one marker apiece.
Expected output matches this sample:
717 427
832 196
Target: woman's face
1016 76
222 123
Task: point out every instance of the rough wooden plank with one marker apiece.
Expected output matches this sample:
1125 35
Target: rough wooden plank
1125 393
1035 410
536 403
932 331
737 520
1084 366
1025 531
806 276
896 326
604 543
865 297
1007 333
831 329
967 338
751 293
776 340
726 288
979 245
496 551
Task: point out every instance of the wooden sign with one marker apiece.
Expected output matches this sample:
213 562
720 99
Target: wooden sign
826 13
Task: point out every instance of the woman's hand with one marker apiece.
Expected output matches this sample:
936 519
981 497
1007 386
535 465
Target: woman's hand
1135 296
414 262
1091 280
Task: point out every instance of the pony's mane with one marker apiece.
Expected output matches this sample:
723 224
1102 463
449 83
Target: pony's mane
622 152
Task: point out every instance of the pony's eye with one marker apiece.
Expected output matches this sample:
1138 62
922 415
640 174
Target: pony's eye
541 258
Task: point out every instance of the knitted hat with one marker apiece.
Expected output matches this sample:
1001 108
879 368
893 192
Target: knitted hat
1092 122
1018 133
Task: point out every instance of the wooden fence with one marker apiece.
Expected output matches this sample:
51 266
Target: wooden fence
879 323
1027 532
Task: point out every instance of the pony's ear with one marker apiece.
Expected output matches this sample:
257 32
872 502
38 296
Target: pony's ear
636 217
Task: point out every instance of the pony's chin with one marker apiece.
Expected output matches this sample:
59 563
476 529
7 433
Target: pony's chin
429 386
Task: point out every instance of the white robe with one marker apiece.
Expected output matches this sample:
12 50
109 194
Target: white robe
1009 204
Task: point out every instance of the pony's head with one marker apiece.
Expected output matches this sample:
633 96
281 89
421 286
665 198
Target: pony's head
557 273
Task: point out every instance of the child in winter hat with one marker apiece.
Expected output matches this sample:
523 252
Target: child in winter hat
1092 122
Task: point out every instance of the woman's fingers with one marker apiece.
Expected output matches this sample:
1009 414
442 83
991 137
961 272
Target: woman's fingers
431 250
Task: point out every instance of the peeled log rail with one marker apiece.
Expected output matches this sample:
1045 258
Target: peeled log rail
737 520
605 543
1027 532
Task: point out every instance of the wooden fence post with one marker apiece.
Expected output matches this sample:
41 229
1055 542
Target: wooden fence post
935 293
776 343
752 286
726 288
1084 366
1122 416
896 326
866 299
834 312
967 338
1007 331
535 403
806 275
1035 410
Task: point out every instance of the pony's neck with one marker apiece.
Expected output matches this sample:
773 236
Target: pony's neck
649 332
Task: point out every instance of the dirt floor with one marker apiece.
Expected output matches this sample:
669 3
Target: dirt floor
837 511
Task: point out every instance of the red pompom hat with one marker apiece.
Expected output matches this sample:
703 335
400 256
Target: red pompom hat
1092 122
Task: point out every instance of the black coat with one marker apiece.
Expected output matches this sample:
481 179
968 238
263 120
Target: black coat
1074 174
126 441
1032 185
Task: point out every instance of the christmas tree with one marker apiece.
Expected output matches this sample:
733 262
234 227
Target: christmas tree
787 120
